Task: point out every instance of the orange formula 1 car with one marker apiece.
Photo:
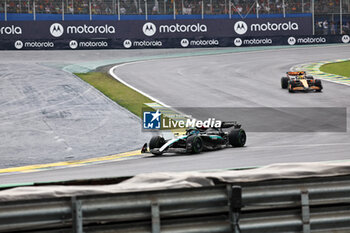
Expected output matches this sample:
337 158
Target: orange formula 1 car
299 81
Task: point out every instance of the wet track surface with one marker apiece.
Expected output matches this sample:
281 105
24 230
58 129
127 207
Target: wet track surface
250 79
48 115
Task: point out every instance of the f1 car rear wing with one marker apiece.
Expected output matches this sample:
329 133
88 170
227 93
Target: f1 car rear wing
224 125
229 124
296 73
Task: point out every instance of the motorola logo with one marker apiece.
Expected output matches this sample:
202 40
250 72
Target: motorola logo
312 40
34 44
11 30
18 44
56 30
292 40
127 44
345 39
184 43
73 44
240 27
238 42
149 29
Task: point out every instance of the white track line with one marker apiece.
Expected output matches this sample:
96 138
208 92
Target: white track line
114 75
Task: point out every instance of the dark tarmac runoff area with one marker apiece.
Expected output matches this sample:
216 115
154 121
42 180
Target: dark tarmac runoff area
49 115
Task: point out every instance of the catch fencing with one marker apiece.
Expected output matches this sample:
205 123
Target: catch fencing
294 205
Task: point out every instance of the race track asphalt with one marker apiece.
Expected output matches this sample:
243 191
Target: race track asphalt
246 79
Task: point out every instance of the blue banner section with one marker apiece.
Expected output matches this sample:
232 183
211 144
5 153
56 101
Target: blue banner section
186 42
160 29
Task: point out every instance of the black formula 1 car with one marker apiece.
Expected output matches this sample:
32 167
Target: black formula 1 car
299 81
199 139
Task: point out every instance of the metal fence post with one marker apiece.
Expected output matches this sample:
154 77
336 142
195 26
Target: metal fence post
284 8
182 6
5 10
257 9
77 216
202 9
341 17
155 217
139 7
146 8
90 10
230 9
302 6
34 10
118 9
234 194
313 16
62 10
165 7
174 8
305 211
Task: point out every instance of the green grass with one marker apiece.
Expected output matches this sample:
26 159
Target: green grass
116 91
338 68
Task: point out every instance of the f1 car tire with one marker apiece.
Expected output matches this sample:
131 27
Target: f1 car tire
284 82
318 83
237 137
194 144
156 142
290 87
